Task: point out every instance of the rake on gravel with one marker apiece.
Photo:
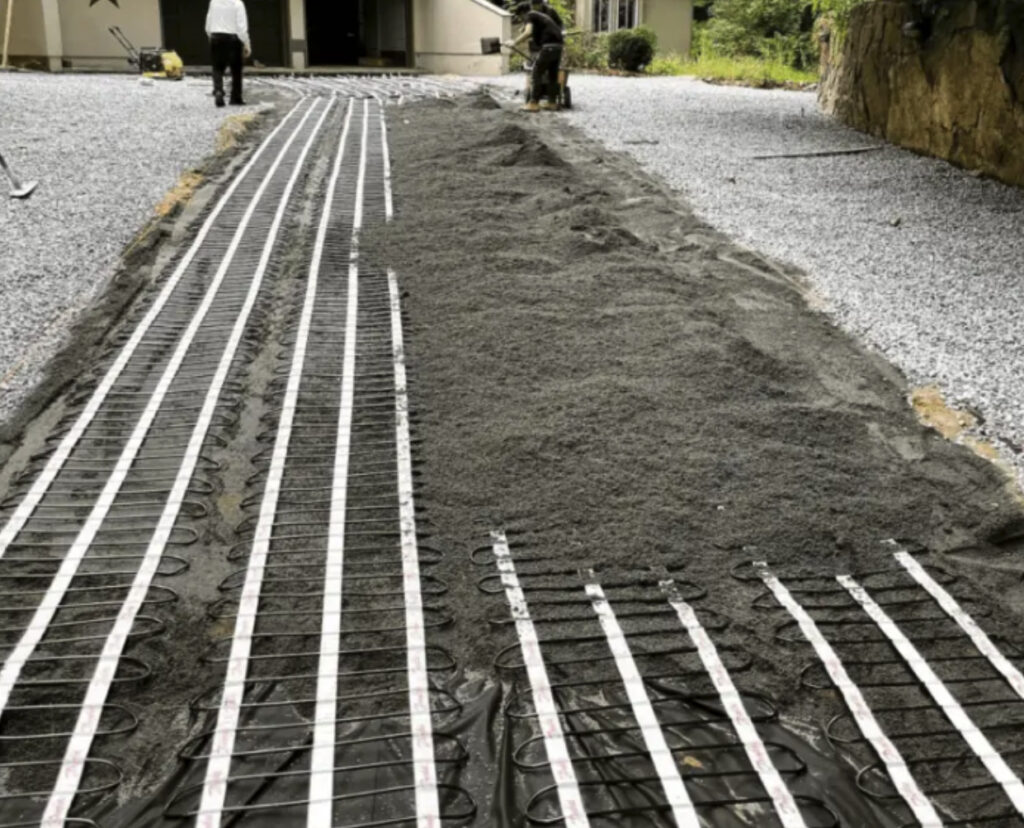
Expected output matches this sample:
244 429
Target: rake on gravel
18 189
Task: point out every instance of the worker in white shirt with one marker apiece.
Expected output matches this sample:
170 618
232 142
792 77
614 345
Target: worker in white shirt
227 26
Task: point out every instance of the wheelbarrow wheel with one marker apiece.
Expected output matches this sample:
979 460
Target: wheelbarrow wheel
566 98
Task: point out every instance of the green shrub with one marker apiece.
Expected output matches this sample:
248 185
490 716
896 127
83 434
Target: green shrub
774 30
586 50
631 49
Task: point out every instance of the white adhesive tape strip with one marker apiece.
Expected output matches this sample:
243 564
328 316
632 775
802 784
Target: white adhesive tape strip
99 687
58 588
923 810
654 738
966 623
321 780
60 455
983 749
389 204
732 703
218 766
428 807
573 812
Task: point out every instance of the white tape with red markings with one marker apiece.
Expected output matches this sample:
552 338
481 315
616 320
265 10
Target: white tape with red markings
896 766
61 583
222 745
321 779
573 811
978 636
99 687
428 807
56 461
979 743
654 737
732 702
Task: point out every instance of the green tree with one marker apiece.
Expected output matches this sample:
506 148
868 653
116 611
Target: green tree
776 29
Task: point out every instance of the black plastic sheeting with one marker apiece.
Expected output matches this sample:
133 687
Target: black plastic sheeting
481 755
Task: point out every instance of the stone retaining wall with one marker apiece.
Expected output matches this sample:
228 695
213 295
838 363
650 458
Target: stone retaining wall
942 77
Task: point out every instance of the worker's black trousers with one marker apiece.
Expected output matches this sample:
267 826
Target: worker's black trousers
225 53
545 73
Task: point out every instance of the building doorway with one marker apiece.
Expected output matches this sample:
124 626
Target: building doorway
184 30
359 32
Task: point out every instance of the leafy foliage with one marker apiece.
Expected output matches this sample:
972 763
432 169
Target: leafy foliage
586 50
631 49
750 71
774 30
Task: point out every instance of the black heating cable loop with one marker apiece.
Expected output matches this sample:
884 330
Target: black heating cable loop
216 611
175 565
711 621
845 601
608 583
88 439
743 660
203 462
159 626
448 662
720 715
179 536
781 630
314 594
900 663
209 700
797 766
231 387
265 455
301 496
134 635
627 811
983 785
389 716
248 525
168 596
390 792
827 582
311 634
89 659
82 791
144 672
240 551
131 723
191 509
474 556
441 623
197 486
928 707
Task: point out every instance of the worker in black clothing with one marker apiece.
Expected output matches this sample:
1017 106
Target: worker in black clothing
547 35
545 8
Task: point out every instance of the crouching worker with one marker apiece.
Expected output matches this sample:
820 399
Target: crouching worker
547 37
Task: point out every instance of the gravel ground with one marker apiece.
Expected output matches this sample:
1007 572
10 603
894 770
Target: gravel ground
920 259
106 150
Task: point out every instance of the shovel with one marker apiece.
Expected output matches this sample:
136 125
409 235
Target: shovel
18 190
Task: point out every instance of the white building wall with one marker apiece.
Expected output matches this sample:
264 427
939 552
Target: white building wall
447 35
87 42
28 34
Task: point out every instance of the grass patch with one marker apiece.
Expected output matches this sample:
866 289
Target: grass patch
232 130
749 71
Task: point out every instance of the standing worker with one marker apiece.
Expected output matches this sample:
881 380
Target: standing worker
227 26
548 37
545 8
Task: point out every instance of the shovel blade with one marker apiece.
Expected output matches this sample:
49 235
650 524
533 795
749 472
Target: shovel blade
24 190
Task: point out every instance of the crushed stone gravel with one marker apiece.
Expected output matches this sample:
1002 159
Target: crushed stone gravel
105 150
920 259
